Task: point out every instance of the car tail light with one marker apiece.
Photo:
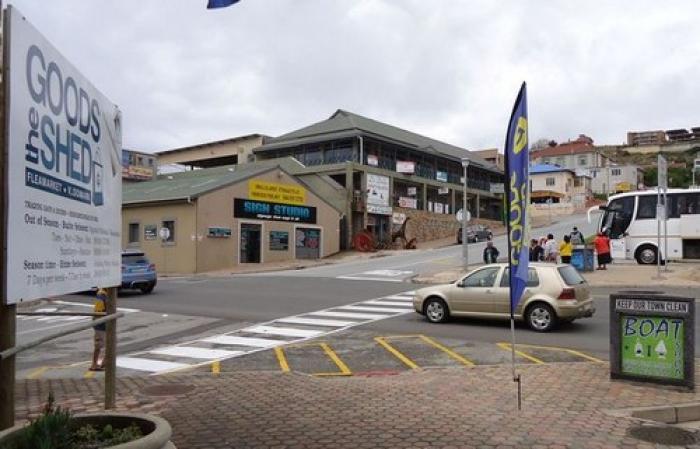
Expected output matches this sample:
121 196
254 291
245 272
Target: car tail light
567 293
152 267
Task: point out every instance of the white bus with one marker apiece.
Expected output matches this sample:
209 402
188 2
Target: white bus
630 221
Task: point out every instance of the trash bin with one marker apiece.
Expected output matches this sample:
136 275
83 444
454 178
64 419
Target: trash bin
582 258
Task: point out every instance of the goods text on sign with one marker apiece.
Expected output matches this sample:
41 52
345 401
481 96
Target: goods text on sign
278 193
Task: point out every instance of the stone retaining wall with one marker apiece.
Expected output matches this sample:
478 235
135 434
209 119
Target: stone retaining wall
425 226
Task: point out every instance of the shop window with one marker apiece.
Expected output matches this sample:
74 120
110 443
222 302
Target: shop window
170 226
133 233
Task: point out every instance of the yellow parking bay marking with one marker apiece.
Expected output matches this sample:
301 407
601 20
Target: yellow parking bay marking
35 374
447 350
343 369
558 349
507 347
216 367
89 374
406 361
282 359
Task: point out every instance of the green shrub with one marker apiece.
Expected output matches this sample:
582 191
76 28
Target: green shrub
53 430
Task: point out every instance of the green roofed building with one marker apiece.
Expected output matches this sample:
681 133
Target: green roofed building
220 217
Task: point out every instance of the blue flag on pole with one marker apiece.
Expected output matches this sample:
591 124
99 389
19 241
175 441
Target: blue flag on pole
220 3
517 197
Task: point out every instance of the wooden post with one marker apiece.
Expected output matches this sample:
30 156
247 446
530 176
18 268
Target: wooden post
110 361
8 313
7 366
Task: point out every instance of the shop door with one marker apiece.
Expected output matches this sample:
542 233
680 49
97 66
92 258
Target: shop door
250 242
308 242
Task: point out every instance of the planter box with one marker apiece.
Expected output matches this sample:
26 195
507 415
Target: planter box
156 430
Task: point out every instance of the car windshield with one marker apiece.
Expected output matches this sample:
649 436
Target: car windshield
570 275
133 259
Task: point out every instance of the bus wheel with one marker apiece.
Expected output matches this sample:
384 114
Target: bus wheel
646 255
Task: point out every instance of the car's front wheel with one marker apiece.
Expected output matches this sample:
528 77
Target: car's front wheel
541 317
436 310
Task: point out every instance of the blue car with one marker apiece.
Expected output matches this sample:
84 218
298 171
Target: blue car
138 272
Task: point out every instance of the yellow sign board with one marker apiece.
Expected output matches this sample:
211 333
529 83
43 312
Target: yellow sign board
276 193
623 186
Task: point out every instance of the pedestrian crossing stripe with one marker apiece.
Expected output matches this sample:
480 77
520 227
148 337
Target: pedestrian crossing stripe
282 331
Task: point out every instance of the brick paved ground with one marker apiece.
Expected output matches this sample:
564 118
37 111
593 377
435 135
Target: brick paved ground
564 407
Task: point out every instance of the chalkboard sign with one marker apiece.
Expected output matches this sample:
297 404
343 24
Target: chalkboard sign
279 241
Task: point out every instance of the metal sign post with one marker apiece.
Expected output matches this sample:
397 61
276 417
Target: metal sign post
662 183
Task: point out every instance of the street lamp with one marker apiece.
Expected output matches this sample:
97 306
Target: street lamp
465 243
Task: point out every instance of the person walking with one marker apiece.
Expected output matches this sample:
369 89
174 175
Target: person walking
566 249
602 247
100 306
490 253
577 237
550 249
536 251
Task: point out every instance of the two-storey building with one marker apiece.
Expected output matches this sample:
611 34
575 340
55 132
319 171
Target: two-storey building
389 172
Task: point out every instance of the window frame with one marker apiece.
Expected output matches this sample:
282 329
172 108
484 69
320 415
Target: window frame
171 239
496 270
530 283
553 180
129 241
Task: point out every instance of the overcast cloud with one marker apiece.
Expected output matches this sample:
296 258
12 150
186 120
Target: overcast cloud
184 75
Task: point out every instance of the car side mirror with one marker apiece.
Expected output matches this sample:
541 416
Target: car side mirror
460 284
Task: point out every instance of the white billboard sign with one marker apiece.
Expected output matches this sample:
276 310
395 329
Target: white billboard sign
406 167
378 195
64 173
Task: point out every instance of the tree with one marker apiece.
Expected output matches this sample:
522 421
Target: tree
677 177
540 144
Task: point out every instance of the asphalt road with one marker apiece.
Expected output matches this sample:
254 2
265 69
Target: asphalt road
186 310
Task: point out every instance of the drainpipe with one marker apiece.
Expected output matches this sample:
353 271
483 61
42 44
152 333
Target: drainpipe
362 150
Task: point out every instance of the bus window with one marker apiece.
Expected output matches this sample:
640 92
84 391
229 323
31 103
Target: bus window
618 216
647 207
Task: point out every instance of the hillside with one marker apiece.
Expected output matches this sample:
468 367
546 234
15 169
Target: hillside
680 164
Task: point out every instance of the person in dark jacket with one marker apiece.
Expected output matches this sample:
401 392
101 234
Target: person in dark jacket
536 251
490 253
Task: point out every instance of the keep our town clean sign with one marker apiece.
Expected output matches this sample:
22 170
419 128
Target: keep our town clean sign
64 173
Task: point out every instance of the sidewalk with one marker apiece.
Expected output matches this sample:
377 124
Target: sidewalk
618 274
568 405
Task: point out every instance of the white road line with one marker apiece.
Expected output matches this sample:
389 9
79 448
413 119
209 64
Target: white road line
399 297
82 304
391 303
285 331
195 353
315 321
243 341
375 309
150 365
363 278
366 316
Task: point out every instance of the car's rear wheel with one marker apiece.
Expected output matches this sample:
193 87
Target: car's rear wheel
541 317
148 288
436 310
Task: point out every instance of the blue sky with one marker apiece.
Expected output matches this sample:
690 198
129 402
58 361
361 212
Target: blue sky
183 74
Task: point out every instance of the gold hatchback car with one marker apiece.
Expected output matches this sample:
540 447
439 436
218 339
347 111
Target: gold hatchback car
555 293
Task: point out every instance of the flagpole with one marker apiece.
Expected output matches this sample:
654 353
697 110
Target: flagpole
517 198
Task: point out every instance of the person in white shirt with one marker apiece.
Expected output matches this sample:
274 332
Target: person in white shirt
551 249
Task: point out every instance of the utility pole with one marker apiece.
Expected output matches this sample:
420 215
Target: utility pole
465 220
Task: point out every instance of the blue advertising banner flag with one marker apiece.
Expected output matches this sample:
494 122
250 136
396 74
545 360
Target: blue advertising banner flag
517 197
220 3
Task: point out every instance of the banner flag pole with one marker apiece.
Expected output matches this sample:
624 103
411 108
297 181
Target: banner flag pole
517 189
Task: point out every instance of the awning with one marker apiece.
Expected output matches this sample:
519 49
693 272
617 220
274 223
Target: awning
545 194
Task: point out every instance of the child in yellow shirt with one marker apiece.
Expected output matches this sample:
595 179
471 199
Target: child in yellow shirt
565 249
